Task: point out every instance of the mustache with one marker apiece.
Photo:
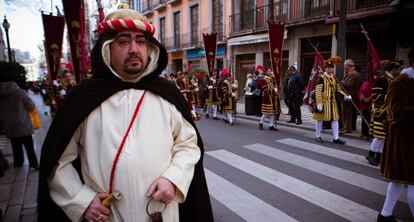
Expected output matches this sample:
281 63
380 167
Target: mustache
133 57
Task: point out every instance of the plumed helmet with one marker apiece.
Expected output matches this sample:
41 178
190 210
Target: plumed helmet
125 20
332 62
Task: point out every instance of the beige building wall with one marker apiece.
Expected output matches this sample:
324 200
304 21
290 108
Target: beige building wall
205 12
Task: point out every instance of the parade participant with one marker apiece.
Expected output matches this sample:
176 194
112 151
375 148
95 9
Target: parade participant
267 85
194 88
66 84
212 98
379 109
228 99
365 102
293 95
397 163
350 85
326 104
132 132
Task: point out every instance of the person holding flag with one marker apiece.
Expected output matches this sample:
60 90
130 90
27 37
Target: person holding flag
326 105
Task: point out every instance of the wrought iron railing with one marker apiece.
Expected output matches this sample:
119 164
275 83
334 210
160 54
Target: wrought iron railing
360 4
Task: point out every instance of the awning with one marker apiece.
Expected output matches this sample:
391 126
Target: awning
362 14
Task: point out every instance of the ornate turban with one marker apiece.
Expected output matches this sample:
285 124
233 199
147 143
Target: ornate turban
125 20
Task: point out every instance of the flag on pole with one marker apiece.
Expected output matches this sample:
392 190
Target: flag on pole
374 61
71 9
276 36
210 46
53 28
309 97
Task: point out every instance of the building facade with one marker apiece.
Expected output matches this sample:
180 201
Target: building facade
316 22
180 25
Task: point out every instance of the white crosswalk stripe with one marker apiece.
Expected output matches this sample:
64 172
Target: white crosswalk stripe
334 203
359 180
343 155
244 204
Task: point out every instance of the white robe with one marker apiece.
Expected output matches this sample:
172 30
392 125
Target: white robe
160 143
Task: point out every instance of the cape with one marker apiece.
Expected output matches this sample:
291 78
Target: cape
87 96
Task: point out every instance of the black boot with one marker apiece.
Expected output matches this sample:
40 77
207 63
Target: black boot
260 126
390 218
378 158
372 160
370 154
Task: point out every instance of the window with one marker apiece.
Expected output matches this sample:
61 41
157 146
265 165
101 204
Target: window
177 36
218 18
194 25
162 30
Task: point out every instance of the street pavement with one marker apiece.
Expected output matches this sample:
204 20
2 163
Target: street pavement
253 175
284 175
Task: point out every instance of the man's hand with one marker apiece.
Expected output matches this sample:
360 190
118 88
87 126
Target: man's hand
161 190
97 212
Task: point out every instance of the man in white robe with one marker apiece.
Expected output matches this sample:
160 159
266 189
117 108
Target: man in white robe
152 157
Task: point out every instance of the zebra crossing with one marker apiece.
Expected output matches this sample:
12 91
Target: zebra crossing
250 207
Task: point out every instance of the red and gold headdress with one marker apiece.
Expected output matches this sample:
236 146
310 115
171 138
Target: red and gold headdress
125 20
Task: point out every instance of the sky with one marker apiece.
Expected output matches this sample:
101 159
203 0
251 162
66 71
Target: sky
26 29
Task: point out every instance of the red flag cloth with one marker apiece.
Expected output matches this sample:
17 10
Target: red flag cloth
374 61
210 46
276 35
53 28
316 70
71 10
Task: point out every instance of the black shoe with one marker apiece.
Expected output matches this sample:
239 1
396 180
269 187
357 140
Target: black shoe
390 218
225 120
260 126
207 116
290 121
319 139
338 141
273 128
299 122
378 158
370 154
215 117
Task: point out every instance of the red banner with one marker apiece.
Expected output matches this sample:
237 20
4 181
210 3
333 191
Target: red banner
53 28
210 46
316 70
276 35
72 11
374 61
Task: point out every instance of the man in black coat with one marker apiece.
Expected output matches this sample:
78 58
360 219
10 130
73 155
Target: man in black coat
118 77
293 94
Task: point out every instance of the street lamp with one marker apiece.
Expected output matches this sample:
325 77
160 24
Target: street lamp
6 26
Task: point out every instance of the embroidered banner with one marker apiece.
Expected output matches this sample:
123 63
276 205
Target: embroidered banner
210 46
72 11
276 35
53 28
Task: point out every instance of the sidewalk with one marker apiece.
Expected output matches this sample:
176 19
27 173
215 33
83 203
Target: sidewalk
18 186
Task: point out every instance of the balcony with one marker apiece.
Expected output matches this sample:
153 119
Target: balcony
256 19
173 1
147 7
173 44
160 4
362 4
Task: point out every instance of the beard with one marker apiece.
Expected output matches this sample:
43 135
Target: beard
133 65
